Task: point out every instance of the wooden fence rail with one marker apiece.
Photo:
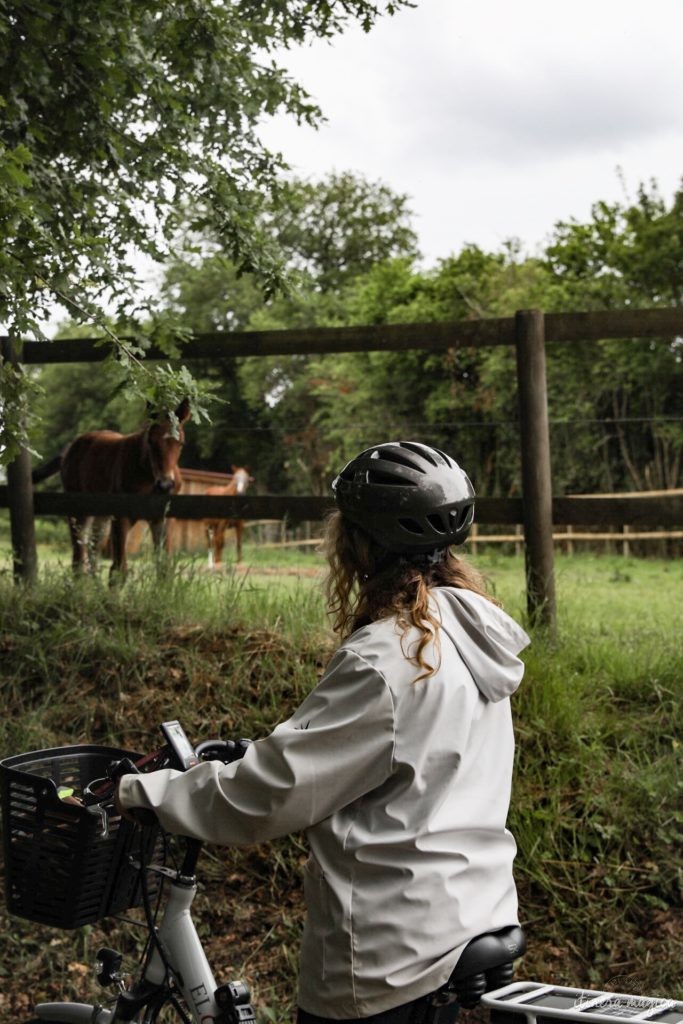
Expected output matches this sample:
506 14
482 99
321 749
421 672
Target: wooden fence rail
430 336
577 510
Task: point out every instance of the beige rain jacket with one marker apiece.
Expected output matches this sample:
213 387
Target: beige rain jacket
403 788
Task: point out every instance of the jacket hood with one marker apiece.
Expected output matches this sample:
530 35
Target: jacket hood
487 639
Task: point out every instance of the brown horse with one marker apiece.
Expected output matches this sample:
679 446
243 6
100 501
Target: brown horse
215 528
104 462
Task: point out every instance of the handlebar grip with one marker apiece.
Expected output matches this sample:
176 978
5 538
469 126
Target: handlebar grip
117 769
226 751
100 790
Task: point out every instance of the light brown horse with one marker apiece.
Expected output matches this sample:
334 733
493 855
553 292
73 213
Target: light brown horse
104 462
215 528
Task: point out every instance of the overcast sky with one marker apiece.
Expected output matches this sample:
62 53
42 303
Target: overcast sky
498 117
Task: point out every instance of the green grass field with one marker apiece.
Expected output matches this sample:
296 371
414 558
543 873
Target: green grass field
596 803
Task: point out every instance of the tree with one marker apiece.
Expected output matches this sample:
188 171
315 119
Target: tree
77 398
118 116
334 229
612 404
330 232
461 400
626 254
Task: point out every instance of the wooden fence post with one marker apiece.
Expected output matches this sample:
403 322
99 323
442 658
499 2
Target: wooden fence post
20 496
625 547
536 476
518 533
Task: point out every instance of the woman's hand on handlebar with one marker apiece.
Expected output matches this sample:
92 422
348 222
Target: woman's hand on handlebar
105 791
108 789
137 815
226 751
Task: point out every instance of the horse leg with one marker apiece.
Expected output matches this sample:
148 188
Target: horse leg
169 528
239 526
97 541
159 529
79 528
119 535
209 543
218 541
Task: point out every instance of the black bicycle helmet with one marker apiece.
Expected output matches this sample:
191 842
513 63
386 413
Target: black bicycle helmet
408 496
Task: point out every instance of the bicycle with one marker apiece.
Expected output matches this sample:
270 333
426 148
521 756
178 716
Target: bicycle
70 860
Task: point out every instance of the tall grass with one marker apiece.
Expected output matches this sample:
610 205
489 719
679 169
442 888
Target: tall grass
597 785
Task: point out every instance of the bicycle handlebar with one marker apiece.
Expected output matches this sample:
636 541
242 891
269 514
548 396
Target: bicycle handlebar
99 793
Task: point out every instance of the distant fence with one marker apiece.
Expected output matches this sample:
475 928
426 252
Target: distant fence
528 331
621 540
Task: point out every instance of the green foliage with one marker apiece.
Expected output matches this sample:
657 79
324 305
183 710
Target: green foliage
460 400
614 407
96 401
627 254
119 117
211 294
20 391
332 230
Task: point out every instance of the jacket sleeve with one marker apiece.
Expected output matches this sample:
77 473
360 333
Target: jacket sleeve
336 747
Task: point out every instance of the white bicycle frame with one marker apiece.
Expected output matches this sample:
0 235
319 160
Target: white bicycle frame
184 952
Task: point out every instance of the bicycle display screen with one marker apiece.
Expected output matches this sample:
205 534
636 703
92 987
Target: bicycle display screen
177 740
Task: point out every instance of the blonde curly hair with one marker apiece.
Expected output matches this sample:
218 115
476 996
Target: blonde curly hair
366 583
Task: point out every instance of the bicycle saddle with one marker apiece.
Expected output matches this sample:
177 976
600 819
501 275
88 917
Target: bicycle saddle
490 950
484 964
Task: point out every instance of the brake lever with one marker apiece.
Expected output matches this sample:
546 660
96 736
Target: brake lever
94 798
100 809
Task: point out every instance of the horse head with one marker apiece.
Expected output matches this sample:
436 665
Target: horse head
163 446
240 479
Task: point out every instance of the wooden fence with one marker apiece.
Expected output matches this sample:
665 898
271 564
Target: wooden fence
528 331
565 539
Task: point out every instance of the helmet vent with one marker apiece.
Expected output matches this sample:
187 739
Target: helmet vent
420 449
459 517
436 522
411 525
403 460
378 476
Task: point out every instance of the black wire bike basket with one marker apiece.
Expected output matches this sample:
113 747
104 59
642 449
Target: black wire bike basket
59 868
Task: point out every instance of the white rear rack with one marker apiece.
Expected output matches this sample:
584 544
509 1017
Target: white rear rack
548 1004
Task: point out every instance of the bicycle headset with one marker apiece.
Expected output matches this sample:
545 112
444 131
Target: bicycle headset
410 497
